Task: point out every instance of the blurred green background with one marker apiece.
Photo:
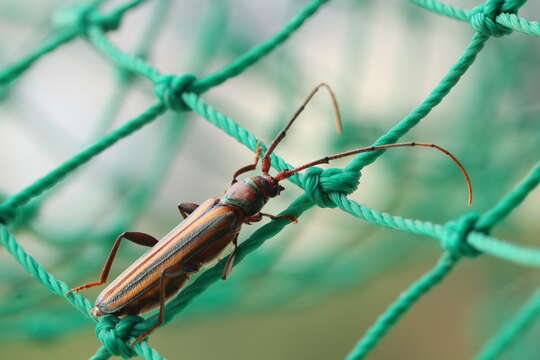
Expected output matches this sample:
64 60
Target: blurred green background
311 291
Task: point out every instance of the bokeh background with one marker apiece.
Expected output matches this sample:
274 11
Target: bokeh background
320 284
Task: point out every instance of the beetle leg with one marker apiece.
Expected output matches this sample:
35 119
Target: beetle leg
253 218
230 260
136 237
248 167
274 217
187 208
171 272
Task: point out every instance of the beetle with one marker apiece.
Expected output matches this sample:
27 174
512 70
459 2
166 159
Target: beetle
205 232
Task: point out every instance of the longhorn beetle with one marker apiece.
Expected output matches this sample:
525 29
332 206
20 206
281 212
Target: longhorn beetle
207 229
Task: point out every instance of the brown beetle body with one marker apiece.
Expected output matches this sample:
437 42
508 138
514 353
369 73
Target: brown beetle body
195 242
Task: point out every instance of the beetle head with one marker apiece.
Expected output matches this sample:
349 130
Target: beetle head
251 194
268 185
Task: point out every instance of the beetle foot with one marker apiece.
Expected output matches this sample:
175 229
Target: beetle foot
291 218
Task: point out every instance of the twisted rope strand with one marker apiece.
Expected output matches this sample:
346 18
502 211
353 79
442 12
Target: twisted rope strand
517 23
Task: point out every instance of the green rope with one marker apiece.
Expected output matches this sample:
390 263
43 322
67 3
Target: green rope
515 22
466 236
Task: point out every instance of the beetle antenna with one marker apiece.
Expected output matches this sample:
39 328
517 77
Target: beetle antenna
325 160
282 133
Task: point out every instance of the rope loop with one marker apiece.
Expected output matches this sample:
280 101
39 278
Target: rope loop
455 241
114 334
319 183
169 89
7 214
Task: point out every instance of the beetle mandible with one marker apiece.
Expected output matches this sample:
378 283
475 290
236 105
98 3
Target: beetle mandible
205 232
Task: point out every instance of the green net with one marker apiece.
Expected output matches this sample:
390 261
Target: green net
178 95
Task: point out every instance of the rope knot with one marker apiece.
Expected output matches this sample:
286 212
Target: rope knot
319 184
115 333
169 89
455 241
7 214
484 17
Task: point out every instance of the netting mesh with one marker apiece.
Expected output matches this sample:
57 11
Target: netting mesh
465 236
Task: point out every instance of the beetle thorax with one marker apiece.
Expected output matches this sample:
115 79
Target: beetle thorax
250 194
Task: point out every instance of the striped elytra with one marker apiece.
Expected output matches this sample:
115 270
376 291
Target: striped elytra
197 240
